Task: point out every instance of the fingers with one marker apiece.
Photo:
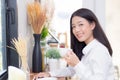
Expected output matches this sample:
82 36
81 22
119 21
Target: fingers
34 78
71 58
69 54
41 75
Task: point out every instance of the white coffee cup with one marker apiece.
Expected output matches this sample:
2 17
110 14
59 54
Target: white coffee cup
63 51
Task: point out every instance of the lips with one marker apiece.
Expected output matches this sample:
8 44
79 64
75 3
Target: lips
78 36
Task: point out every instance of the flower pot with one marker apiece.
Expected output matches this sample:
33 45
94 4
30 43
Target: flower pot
53 64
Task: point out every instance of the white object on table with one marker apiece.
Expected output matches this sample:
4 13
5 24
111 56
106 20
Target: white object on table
15 73
48 78
63 51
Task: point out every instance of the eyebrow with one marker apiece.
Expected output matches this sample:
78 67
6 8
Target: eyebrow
78 22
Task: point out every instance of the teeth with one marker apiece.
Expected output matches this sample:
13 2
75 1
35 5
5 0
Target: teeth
79 35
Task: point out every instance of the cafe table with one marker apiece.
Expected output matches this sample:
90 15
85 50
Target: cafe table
33 74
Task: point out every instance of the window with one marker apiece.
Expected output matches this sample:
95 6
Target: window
3 62
8 30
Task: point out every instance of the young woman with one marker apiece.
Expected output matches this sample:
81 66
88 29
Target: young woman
90 57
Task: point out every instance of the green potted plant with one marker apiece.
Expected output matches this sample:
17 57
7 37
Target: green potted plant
53 53
53 56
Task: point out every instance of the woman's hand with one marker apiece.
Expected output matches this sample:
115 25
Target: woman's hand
71 58
41 75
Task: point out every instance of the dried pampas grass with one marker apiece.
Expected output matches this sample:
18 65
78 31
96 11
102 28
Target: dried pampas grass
49 9
36 16
20 45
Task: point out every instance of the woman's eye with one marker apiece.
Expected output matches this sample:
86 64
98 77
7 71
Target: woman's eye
80 24
73 26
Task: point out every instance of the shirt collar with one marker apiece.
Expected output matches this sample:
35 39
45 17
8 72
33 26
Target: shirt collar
89 46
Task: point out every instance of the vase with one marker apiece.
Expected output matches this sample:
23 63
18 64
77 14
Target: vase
37 55
24 67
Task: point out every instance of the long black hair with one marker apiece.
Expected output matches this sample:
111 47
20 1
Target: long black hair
98 33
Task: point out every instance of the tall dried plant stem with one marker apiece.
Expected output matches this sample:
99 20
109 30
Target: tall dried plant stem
36 16
20 45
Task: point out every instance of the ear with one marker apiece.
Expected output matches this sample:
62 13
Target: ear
93 25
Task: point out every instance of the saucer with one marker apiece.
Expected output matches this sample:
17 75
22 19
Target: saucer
48 78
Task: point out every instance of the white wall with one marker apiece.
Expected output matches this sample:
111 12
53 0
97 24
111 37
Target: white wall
113 28
98 7
24 29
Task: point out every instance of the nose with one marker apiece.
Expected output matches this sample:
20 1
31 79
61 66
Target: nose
77 29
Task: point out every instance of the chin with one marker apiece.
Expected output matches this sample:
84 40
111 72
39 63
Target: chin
81 40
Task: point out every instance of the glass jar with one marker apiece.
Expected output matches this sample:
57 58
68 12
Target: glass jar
24 66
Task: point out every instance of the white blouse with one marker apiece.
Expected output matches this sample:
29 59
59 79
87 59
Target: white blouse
96 64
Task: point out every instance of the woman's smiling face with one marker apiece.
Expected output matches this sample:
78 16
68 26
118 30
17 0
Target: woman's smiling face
82 29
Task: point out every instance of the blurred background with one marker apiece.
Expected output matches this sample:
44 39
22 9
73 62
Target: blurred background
107 11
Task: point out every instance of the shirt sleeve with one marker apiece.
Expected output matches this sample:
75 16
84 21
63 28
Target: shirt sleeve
98 69
65 72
